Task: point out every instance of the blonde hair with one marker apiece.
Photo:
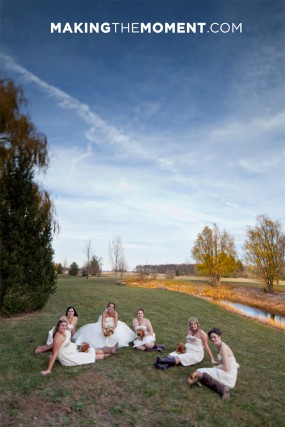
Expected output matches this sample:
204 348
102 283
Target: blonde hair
194 320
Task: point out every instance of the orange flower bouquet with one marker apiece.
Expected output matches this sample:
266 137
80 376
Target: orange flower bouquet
180 348
84 347
140 334
192 379
108 331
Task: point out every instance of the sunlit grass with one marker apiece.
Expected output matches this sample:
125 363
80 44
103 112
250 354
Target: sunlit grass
203 289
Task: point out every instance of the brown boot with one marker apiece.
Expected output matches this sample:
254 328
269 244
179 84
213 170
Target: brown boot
221 389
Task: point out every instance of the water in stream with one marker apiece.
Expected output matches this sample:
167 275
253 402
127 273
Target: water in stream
255 312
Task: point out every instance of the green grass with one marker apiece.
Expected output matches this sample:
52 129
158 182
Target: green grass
126 390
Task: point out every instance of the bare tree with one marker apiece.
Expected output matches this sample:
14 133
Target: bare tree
117 256
65 266
87 251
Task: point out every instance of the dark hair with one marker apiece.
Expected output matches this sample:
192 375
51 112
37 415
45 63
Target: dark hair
60 321
140 309
111 303
68 308
216 331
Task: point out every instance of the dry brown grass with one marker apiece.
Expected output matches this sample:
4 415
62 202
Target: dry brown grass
252 296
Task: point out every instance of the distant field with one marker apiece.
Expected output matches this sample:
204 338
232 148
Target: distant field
230 280
126 390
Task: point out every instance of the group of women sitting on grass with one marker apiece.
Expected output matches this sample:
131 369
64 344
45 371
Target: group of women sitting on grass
99 340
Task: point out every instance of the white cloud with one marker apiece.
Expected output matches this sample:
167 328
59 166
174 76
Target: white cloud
158 190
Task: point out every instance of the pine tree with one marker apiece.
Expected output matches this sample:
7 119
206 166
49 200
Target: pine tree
73 269
27 277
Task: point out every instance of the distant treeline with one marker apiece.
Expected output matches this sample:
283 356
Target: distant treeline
177 269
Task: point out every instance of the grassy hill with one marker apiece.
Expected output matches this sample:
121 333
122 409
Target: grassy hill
126 390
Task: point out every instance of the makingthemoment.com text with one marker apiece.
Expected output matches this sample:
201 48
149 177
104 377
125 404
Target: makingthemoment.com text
144 27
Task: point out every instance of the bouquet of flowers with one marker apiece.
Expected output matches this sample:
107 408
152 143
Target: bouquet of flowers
192 379
108 331
180 348
84 347
140 333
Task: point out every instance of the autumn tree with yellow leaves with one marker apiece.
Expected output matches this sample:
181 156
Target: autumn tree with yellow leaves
265 250
215 253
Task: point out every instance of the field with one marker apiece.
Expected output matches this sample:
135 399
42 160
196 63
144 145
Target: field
126 390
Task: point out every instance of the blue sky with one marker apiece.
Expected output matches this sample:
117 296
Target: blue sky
153 136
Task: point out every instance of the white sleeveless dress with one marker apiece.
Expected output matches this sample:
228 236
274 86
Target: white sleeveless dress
50 333
92 333
194 351
69 355
227 378
146 339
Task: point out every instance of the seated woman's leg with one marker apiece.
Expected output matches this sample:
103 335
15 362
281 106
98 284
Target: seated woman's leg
110 350
43 348
140 347
100 355
206 379
149 346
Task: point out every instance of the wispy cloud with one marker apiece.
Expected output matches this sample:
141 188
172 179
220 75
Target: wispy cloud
98 128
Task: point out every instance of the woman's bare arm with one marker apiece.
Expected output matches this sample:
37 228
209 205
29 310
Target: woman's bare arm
225 358
57 343
204 339
115 319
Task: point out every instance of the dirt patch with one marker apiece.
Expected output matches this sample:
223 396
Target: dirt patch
84 400
92 398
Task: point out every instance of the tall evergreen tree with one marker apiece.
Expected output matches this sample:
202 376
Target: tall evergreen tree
26 212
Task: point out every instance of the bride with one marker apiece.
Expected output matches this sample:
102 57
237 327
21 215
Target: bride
106 332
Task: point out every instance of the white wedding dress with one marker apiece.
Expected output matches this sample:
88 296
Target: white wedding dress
194 351
228 378
69 355
92 333
147 339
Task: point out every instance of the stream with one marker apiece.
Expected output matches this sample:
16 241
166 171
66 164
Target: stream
256 312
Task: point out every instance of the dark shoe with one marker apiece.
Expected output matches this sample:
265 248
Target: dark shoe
162 367
157 346
166 360
225 393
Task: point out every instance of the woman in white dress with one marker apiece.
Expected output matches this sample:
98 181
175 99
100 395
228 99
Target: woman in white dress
67 352
107 332
72 318
223 377
145 337
196 342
